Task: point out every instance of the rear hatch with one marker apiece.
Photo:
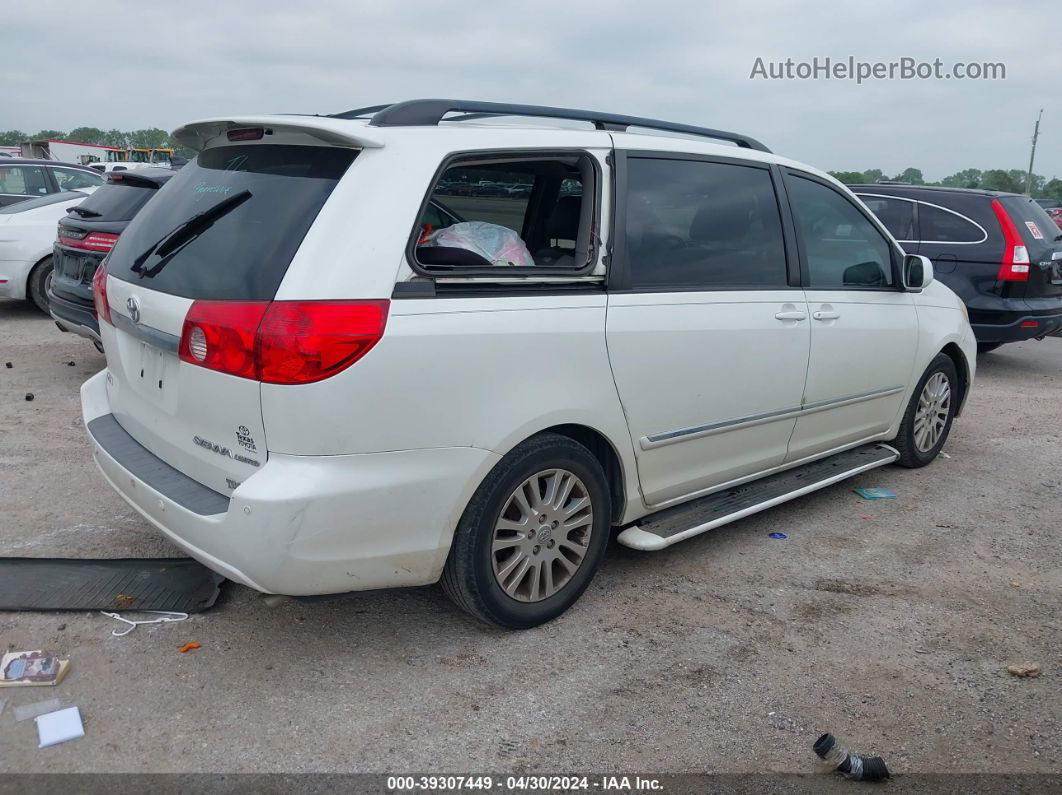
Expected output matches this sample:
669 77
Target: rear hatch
91 229
217 241
1043 241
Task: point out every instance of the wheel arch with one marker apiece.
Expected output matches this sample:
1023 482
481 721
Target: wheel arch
962 367
606 454
37 262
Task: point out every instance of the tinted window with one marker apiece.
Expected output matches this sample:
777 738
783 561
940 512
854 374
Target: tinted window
936 225
896 214
117 202
22 180
1037 228
702 225
252 204
842 247
71 179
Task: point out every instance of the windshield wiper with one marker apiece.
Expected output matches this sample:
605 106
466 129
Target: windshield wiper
170 244
83 212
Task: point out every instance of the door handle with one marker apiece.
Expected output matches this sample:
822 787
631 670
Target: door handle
793 315
830 315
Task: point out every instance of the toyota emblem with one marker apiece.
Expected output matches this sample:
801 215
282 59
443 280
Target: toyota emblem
133 305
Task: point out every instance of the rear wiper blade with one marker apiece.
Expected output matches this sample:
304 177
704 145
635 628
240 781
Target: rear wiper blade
83 212
176 239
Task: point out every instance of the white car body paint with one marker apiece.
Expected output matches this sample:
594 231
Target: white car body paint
359 480
26 238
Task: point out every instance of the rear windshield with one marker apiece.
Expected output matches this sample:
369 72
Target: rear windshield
228 224
43 201
117 202
1036 227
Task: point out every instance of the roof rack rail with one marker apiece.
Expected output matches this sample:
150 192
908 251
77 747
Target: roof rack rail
429 112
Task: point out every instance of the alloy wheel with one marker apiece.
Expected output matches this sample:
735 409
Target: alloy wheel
542 535
931 416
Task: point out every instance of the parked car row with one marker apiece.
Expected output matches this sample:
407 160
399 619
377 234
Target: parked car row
312 388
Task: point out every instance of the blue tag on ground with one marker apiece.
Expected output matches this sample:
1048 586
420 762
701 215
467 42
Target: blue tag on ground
875 494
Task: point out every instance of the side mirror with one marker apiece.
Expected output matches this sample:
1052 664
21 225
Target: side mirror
917 272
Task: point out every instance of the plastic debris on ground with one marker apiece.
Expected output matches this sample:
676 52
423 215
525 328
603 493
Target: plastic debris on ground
876 493
853 766
164 617
59 727
777 535
27 711
32 669
1027 669
192 645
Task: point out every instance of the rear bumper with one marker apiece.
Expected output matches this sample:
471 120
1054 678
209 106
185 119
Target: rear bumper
74 316
1016 330
305 525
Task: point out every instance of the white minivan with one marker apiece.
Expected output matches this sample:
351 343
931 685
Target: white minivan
464 341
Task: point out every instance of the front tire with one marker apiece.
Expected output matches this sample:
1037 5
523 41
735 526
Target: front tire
37 284
532 536
928 419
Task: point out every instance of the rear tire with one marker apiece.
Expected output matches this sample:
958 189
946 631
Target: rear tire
532 536
986 347
37 284
927 421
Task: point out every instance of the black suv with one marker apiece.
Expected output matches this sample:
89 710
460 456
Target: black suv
86 235
1000 252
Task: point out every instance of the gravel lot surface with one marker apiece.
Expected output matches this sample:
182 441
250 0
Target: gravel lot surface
890 624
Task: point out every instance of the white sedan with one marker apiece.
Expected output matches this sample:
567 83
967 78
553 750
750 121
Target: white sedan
27 234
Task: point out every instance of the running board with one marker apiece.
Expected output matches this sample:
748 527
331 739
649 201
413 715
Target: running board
676 524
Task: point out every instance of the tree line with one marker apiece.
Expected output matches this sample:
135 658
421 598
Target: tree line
150 138
1009 180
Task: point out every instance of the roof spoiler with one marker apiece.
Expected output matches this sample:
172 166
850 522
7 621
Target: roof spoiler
197 134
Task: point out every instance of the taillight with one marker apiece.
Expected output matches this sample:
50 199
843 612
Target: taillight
99 293
220 335
1015 264
281 342
93 241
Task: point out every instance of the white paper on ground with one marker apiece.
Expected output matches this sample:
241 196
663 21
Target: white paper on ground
58 727
27 711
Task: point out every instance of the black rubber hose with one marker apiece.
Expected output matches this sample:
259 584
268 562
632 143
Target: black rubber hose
854 766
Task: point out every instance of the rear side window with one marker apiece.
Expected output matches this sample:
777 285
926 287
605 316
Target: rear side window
117 202
937 225
842 247
896 214
72 179
492 213
228 224
700 225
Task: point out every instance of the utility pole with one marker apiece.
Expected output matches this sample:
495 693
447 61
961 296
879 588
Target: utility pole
1032 155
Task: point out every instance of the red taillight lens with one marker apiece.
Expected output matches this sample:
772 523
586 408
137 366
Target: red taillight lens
220 335
99 293
283 342
94 241
305 341
1015 264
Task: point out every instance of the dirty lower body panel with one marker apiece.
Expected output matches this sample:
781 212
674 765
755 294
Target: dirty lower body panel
176 584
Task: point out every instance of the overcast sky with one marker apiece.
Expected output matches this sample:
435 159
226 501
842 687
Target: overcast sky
127 64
